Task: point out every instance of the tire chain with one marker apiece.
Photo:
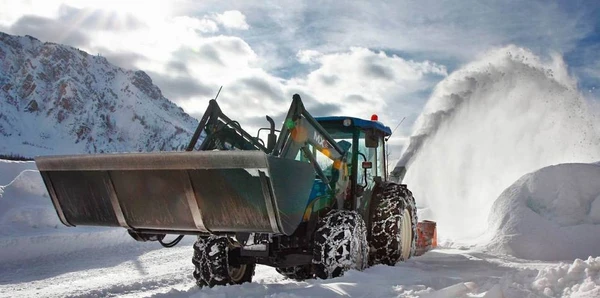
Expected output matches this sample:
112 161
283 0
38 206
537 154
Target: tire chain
340 243
385 239
210 261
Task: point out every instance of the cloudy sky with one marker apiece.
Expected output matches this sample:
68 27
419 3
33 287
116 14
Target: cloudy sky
344 57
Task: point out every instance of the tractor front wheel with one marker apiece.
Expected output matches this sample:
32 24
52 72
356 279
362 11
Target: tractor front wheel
340 244
211 262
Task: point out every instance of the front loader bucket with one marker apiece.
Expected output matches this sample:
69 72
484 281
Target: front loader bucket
180 192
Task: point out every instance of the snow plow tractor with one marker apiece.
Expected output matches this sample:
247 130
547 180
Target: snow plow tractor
314 200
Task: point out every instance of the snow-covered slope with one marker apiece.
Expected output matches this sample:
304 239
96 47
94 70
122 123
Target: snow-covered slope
56 99
29 226
550 214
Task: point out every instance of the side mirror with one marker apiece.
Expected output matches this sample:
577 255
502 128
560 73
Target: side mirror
371 139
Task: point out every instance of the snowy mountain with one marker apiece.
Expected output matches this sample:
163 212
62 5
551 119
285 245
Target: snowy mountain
56 99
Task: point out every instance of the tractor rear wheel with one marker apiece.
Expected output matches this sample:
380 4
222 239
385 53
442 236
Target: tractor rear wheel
393 226
340 244
211 262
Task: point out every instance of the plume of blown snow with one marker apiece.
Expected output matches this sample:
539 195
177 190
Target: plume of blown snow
486 125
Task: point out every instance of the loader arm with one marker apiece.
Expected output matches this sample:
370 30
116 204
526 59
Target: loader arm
222 133
299 130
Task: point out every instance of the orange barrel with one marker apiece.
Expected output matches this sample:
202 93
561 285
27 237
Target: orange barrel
426 236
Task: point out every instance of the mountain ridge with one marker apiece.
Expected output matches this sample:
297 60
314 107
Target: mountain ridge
56 99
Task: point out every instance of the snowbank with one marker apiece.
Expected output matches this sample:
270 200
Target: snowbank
507 114
550 214
578 279
29 225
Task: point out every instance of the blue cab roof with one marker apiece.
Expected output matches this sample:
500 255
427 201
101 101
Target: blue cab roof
361 123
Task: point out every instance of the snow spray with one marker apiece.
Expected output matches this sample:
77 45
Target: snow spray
485 126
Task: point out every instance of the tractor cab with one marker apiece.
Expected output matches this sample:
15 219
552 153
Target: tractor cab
364 142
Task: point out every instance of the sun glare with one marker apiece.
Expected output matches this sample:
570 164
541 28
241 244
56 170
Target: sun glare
146 10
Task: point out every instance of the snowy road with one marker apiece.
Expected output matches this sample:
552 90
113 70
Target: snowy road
138 270
131 270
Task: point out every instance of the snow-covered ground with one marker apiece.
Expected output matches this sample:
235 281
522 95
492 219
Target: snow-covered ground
142 270
40 257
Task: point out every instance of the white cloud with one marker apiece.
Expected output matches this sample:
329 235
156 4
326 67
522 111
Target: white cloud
357 82
203 25
364 82
13 10
308 56
232 19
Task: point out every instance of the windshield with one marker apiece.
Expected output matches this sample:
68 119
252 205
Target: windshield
373 155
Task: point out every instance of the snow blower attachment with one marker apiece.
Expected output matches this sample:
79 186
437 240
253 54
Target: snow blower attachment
426 236
314 201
